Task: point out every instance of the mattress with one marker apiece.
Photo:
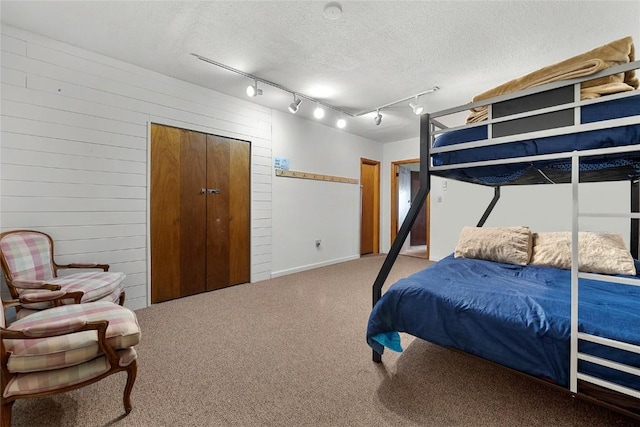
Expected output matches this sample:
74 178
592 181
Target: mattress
517 316
511 173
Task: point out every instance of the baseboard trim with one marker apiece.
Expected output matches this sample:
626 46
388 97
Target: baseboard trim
302 268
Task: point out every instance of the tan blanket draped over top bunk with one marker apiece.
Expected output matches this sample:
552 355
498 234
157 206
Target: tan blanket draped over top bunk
611 54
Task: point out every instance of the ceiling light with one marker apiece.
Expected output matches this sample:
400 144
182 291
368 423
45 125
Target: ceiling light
293 107
318 113
341 123
252 90
378 118
417 108
333 11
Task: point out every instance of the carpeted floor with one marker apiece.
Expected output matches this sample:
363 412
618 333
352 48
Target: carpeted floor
415 251
291 352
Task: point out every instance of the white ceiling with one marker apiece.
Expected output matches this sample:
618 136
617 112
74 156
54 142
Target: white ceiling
377 53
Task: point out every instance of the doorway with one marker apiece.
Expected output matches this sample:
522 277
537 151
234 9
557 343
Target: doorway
369 206
405 183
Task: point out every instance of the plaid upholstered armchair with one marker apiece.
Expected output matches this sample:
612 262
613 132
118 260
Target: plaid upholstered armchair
27 260
64 348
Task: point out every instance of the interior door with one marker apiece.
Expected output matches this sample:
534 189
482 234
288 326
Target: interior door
165 213
418 235
370 206
366 226
228 209
240 207
217 213
193 208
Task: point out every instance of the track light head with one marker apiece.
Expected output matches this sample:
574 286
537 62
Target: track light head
341 123
252 90
417 108
295 105
318 113
378 118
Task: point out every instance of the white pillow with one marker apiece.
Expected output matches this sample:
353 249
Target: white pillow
603 253
511 245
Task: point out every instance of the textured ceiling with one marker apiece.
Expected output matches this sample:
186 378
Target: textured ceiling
377 53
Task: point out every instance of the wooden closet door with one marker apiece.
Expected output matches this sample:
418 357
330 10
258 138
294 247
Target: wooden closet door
228 238
193 213
178 212
165 213
218 155
240 210
200 212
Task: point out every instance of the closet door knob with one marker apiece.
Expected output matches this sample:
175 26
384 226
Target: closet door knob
203 191
213 191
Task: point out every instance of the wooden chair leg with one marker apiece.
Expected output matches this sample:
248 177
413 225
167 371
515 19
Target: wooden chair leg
121 299
132 371
5 421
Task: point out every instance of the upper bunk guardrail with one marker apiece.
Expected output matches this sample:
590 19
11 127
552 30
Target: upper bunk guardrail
537 89
603 124
542 130
539 157
534 112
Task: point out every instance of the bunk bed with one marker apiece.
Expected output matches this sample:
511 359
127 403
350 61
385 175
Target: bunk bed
573 330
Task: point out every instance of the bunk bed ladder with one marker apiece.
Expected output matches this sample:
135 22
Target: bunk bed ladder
576 355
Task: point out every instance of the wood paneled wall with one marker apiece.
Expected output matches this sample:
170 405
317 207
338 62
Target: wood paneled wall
74 151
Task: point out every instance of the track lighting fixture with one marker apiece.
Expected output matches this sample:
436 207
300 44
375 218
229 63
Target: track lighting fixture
252 90
318 113
293 107
417 108
378 118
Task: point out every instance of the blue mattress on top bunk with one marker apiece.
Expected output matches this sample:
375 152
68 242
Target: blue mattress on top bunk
517 316
500 174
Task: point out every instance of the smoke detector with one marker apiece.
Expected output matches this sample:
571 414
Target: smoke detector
333 11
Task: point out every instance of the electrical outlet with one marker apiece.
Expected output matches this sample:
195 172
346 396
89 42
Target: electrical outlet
318 241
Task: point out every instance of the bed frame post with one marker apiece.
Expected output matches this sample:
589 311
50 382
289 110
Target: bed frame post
492 204
635 226
414 210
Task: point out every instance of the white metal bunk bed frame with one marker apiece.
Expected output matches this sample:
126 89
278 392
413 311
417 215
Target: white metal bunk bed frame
430 127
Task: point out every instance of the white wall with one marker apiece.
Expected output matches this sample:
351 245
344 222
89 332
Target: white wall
306 210
74 162
74 151
541 207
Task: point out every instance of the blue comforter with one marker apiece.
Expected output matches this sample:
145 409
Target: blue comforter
513 315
